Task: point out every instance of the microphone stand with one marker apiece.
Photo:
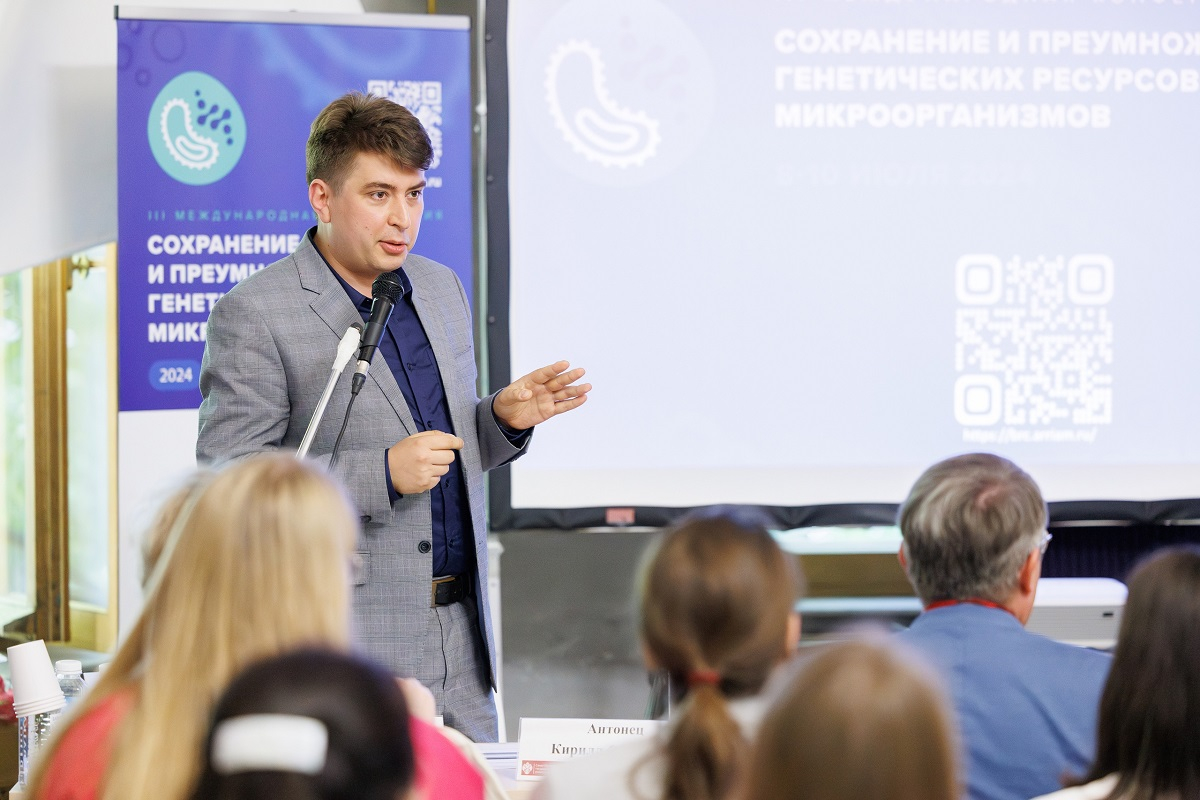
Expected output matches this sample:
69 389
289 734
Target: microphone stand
347 347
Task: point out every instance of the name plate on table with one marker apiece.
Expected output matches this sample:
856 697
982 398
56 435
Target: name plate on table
543 742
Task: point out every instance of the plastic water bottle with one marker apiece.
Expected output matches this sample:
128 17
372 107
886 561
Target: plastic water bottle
32 732
70 679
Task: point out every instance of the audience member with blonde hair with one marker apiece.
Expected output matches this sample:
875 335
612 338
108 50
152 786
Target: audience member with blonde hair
861 719
717 616
1148 735
246 562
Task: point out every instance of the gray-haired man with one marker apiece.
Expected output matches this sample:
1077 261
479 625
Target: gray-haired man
974 530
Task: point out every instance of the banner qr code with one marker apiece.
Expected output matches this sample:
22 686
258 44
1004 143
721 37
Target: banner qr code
423 99
1034 346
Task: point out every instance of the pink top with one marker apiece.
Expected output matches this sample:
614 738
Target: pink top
83 754
442 771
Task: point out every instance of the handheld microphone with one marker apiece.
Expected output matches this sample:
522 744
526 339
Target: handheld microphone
385 292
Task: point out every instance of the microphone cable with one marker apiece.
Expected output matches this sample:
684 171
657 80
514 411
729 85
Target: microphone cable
338 442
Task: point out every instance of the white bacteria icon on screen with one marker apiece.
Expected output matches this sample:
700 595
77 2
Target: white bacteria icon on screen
594 124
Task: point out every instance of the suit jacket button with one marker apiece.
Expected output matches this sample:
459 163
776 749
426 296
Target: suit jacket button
364 519
424 546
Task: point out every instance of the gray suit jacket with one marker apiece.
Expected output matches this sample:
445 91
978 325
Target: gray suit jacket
270 347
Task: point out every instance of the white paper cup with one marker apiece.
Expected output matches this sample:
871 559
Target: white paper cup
40 707
34 682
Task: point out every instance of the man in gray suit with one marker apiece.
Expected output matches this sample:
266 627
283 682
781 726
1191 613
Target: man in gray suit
419 438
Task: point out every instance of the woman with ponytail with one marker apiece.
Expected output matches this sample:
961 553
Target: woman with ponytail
717 616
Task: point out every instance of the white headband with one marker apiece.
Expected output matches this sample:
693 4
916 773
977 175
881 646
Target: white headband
270 742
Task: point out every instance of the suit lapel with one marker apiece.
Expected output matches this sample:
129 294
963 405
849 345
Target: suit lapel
333 306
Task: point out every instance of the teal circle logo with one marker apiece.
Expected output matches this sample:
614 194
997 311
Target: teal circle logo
197 130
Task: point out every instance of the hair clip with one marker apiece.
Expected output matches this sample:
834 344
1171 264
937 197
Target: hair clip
270 742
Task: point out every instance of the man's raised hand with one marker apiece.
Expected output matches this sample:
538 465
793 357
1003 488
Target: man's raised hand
540 395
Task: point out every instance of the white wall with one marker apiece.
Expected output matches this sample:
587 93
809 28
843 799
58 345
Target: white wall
58 93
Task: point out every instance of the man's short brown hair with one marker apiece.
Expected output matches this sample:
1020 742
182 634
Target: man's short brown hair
362 123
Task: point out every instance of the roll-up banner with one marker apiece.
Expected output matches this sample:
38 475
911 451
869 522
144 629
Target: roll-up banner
213 117
214 110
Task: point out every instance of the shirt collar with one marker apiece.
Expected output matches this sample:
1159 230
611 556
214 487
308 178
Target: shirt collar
975 601
972 610
360 300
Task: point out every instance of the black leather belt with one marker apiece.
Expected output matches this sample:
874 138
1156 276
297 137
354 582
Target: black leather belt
449 589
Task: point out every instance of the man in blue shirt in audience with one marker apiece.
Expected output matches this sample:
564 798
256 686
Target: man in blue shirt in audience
974 530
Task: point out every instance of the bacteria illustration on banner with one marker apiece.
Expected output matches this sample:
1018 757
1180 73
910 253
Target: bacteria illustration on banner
196 129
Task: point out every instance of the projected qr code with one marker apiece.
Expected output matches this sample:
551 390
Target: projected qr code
1033 347
423 99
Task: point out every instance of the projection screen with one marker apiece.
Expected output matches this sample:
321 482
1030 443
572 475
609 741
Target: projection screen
806 249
